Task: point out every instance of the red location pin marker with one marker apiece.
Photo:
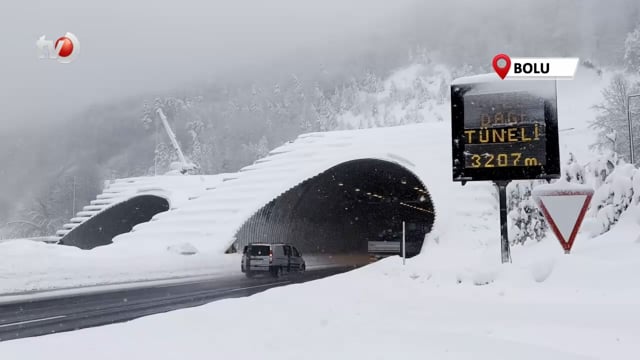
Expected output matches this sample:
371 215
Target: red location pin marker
502 71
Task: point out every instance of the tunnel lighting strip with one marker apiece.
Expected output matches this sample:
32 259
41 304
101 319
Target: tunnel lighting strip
404 204
416 208
420 190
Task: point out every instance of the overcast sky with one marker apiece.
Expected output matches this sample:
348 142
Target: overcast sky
131 48
139 47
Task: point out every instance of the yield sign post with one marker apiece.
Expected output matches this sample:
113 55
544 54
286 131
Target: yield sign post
563 205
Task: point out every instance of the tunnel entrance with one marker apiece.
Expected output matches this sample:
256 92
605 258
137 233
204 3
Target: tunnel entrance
355 207
118 219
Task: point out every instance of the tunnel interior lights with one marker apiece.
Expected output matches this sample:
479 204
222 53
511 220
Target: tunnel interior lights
421 190
416 208
420 199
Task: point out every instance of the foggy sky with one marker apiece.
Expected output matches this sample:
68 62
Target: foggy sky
145 47
142 47
131 47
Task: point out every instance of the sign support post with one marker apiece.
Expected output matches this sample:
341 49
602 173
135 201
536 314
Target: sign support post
504 231
403 244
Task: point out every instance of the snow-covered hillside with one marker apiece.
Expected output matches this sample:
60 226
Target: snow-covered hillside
415 94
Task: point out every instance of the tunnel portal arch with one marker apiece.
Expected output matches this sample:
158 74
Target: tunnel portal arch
101 228
344 208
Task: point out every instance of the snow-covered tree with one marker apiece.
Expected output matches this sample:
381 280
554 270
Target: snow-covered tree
257 150
197 151
164 156
602 166
421 92
632 51
464 70
527 222
615 190
324 112
573 171
444 91
372 83
611 123
45 211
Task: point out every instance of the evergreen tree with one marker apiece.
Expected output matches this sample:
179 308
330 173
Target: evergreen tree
527 222
197 150
371 83
632 51
257 150
324 112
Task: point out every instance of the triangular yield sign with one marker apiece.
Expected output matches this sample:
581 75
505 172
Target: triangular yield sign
564 211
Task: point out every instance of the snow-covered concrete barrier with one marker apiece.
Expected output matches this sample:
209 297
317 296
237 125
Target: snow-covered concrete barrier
128 202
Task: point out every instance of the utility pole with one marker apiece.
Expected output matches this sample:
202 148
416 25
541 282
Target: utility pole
631 151
404 243
155 154
73 207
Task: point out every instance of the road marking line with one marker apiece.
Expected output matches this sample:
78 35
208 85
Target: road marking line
179 284
32 321
199 282
262 285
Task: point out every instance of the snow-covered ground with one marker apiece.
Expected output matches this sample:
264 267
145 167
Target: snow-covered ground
29 266
451 302
32 269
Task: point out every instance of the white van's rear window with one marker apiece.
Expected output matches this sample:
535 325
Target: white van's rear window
259 250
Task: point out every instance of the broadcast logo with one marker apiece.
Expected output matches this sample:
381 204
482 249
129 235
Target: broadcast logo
65 49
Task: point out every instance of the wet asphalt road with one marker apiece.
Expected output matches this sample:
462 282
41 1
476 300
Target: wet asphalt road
59 314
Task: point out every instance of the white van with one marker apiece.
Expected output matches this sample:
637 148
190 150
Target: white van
275 259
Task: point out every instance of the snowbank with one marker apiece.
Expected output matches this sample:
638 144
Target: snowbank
30 265
447 303
561 186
